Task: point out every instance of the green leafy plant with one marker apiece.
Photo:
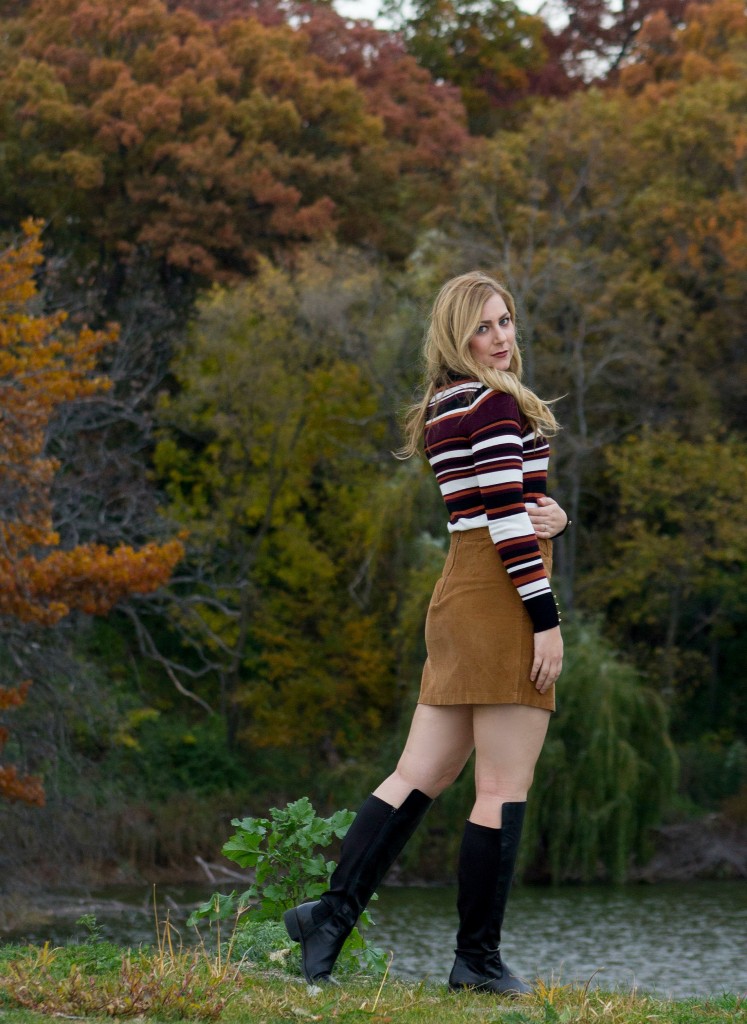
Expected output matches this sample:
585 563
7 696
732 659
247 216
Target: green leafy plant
284 851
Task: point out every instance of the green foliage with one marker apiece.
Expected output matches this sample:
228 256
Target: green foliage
676 573
278 475
95 955
713 768
264 945
608 770
160 753
492 51
283 852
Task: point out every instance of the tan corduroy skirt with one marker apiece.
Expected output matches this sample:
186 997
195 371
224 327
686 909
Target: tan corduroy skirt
478 634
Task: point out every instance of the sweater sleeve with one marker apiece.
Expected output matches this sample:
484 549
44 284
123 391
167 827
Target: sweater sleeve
495 436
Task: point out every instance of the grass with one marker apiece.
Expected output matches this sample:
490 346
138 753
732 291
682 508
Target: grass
98 982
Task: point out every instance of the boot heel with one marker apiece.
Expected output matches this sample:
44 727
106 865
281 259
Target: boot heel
290 919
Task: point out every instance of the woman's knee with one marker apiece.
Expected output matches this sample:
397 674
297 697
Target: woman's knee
505 787
431 779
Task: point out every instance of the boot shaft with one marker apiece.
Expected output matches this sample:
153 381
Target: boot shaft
487 859
373 842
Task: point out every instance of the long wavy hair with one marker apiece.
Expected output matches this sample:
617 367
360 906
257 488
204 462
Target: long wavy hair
453 321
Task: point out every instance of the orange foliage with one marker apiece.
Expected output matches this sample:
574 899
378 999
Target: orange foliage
701 47
206 144
41 367
27 788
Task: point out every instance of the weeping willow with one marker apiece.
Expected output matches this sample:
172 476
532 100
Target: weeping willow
608 769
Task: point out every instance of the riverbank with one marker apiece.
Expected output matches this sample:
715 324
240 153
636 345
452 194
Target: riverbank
670 940
98 982
710 848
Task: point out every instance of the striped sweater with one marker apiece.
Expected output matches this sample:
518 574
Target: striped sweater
489 469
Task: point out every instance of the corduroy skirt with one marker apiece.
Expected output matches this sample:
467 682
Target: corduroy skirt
478 634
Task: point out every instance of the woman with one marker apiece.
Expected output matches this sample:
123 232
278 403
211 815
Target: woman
492 636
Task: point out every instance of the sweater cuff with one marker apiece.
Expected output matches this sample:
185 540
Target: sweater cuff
544 612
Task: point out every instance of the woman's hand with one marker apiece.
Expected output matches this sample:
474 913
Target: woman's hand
548 658
549 519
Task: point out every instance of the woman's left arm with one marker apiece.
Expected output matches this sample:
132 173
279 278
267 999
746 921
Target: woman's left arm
549 519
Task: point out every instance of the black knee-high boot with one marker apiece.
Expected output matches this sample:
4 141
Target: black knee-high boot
486 867
373 841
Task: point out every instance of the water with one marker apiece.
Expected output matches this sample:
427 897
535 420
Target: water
675 940
670 940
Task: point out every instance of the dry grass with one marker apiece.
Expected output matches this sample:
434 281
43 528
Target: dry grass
100 982
271 1002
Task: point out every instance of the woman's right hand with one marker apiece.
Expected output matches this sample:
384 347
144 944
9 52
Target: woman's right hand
548 658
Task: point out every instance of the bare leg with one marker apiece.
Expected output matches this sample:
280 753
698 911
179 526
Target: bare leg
508 740
437 749
440 742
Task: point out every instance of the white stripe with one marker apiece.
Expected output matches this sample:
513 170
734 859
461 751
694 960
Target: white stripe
453 453
468 524
521 567
495 439
456 389
501 476
511 527
463 483
532 589
444 396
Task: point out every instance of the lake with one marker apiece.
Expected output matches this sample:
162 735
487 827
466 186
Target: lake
674 940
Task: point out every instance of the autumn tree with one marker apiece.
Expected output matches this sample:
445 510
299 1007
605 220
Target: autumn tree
707 42
42 367
490 49
147 134
13 784
599 38
616 220
422 114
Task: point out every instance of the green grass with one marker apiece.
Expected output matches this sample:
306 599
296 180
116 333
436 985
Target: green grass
96 982
267 1001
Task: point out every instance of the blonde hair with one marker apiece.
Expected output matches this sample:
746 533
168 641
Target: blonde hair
453 321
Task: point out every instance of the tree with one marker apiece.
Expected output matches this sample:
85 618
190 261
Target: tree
492 50
14 786
422 115
697 41
42 367
270 456
608 770
199 146
675 575
599 37
616 221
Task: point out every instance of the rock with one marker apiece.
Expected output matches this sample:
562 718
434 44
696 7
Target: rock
714 847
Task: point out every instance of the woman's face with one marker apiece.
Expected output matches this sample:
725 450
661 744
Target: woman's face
493 342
